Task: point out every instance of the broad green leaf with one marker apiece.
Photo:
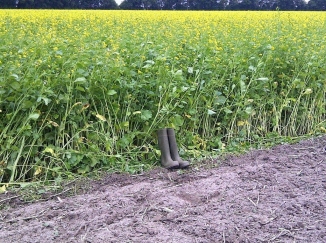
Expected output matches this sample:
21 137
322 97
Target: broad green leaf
147 66
80 88
46 100
269 47
34 116
227 111
308 91
81 80
27 104
38 171
15 76
220 100
124 124
9 115
49 150
102 118
146 115
176 121
262 79
83 170
111 92
218 93
94 162
81 71
3 189
126 140
151 62
178 73
252 68
210 112
15 85
249 110
243 87
24 184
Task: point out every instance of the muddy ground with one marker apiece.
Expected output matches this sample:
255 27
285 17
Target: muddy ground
275 195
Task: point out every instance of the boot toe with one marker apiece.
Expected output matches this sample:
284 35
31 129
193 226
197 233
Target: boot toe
184 164
172 165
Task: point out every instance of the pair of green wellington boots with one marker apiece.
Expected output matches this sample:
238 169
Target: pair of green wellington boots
167 143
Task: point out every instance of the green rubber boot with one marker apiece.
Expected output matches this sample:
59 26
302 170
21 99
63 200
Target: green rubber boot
174 149
163 143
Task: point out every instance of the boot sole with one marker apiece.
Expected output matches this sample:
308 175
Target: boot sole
184 167
173 167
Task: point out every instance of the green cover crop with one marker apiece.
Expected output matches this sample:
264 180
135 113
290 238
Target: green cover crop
84 90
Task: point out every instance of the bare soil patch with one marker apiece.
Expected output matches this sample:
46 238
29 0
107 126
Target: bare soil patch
274 195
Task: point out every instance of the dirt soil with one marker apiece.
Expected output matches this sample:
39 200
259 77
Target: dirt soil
275 195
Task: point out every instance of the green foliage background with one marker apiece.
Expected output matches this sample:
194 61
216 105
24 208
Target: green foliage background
88 90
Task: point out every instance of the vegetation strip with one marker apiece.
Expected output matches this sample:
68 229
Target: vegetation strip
87 90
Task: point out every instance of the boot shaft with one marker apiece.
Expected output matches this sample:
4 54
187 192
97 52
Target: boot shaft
173 144
174 149
163 143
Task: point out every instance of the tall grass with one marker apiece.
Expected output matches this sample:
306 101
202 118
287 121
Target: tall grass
88 89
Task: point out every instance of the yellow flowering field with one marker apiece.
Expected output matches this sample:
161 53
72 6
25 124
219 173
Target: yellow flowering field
83 90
